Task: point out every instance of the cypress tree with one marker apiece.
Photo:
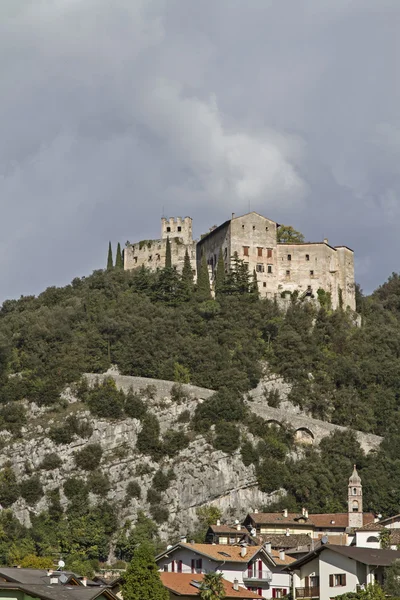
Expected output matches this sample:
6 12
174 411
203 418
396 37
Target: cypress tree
254 286
142 580
220 277
168 257
110 264
203 291
118 258
186 283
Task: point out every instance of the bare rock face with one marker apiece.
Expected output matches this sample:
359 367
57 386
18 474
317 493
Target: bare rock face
201 475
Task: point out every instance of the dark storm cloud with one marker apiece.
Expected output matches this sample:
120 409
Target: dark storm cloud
112 112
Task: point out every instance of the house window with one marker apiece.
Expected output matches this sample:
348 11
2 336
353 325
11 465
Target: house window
166 568
197 565
259 251
269 269
289 257
307 257
338 580
269 252
279 592
264 284
179 228
245 250
168 229
314 581
311 273
260 268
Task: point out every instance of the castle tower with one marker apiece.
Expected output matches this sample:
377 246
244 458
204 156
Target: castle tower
177 227
355 501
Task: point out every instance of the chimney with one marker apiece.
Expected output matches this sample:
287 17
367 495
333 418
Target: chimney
287 532
50 572
233 215
218 522
183 539
281 555
84 581
235 585
267 547
53 579
303 511
255 510
238 527
243 551
325 240
285 513
306 514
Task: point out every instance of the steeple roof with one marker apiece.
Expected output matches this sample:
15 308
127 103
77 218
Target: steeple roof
355 479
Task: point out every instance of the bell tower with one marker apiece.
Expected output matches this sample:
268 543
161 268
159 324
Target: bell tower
355 501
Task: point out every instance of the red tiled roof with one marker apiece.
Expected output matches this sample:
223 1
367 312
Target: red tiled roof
181 585
228 529
287 560
314 520
223 552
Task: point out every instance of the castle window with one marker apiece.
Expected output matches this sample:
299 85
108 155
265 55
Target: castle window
264 284
312 273
135 259
269 252
259 251
355 506
242 226
266 229
269 268
309 288
168 229
226 252
179 228
245 250
289 257
150 257
288 273
307 257
254 227
354 492
260 268
158 257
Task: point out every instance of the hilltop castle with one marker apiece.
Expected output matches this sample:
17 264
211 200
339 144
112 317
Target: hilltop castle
280 267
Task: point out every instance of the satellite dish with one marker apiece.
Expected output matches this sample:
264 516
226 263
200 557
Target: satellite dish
61 564
324 539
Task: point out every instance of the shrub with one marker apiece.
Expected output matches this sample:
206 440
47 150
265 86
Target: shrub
178 394
159 513
249 454
184 417
80 427
98 483
227 437
149 392
134 406
153 496
31 489
74 487
162 480
224 405
133 490
50 461
12 417
174 442
9 488
105 400
89 457
148 440
61 435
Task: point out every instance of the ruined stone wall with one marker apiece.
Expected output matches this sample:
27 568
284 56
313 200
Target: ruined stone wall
177 227
346 276
151 254
210 246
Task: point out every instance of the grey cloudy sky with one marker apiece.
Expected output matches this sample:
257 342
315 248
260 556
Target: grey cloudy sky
111 111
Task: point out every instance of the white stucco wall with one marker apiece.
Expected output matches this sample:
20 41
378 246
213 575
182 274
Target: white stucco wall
362 538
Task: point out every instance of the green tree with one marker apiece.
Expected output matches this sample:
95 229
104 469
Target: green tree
203 291
110 264
118 258
254 286
142 579
168 256
187 278
392 579
212 587
288 235
220 276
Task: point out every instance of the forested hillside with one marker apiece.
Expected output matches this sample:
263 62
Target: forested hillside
159 325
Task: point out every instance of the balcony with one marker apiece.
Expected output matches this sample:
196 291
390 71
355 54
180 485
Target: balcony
257 577
307 592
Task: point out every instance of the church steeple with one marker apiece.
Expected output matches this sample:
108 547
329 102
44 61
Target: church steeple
355 500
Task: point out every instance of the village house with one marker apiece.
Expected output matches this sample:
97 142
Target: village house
257 568
228 534
333 570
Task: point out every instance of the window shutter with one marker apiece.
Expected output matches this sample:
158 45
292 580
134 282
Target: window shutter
249 570
273 592
330 580
192 565
179 566
173 566
306 581
284 591
344 579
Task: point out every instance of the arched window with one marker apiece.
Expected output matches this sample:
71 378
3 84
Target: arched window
354 491
372 539
355 506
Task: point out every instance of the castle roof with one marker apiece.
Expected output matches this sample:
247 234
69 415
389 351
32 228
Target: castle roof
354 479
